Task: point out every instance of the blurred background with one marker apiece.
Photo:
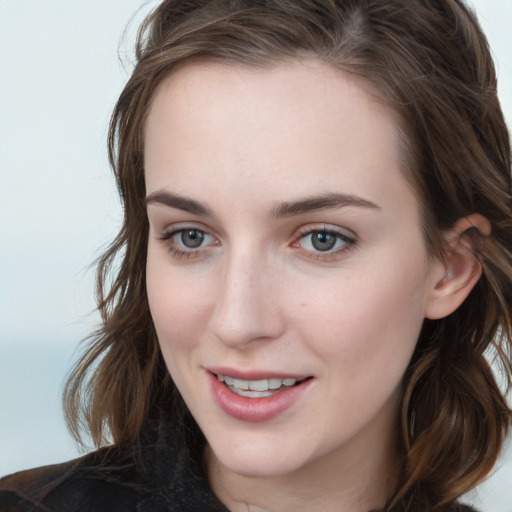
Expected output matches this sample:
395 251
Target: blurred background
62 66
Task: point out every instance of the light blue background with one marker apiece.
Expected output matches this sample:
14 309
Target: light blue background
59 78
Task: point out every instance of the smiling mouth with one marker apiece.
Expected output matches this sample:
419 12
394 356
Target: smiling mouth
259 388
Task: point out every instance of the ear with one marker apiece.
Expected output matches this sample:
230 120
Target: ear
457 274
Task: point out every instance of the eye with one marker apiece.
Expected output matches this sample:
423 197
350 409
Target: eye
187 241
192 238
324 242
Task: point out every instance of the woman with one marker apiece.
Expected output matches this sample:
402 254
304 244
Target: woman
315 257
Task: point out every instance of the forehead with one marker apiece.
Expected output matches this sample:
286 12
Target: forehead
304 123
309 85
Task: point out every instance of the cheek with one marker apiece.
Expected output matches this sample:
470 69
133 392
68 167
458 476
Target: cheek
177 315
365 332
177 305
369 320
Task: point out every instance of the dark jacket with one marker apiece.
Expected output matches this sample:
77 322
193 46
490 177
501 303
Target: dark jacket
152 476
78 486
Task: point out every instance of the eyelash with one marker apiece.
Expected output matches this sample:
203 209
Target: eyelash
348 242
167 239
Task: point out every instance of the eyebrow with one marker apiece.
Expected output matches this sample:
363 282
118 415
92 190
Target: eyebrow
285 209
178 202
323 202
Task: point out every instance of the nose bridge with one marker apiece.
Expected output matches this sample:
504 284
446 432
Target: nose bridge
246 308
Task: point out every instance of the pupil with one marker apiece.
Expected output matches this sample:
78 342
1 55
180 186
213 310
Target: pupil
323 241
192 238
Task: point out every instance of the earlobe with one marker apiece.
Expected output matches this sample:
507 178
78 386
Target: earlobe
460 270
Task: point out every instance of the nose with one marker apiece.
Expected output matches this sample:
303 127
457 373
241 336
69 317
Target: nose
247 306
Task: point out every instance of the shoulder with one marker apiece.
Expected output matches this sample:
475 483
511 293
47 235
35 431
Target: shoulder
74 486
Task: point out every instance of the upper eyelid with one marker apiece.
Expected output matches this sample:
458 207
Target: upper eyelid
169 233
181 226
330 228
302 230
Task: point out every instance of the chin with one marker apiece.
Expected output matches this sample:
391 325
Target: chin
259 469
259 460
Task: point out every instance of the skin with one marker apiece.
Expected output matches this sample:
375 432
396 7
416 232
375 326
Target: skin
257 295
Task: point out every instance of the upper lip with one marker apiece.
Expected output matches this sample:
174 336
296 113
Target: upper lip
255 374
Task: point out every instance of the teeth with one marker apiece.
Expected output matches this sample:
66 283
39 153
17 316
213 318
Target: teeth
256 385
274 383
252 394
241 384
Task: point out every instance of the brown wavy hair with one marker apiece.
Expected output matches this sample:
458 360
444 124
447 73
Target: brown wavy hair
430 62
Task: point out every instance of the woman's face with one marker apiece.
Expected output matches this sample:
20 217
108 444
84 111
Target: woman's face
287 274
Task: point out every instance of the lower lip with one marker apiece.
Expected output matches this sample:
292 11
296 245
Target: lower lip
255 409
